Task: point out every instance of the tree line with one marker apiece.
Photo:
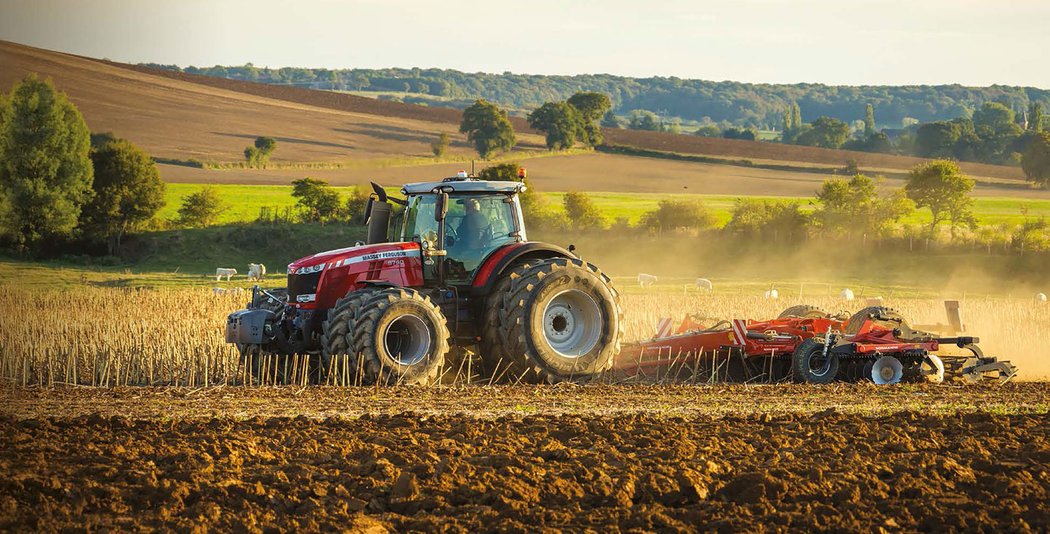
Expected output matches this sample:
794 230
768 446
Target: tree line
982 124
737 104
992 135
851 208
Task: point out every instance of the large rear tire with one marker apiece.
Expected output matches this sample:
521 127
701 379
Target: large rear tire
563 318
882 315
401 337
811 365
497 363
803 311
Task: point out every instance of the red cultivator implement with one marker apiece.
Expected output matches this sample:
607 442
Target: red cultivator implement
809 345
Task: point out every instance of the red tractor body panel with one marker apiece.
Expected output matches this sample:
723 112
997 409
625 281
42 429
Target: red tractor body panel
344 270
491 263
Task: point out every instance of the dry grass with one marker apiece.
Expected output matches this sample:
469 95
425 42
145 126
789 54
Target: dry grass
115 337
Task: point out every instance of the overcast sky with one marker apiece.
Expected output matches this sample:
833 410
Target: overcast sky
829 41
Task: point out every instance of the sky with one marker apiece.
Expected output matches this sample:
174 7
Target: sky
848 42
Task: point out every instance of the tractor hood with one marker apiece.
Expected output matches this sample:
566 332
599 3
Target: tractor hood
346 256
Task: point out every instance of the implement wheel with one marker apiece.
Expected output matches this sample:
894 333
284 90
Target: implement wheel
812 366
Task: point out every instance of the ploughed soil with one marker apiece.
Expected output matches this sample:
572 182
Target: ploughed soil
88 459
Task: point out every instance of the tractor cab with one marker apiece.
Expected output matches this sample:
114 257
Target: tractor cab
458 222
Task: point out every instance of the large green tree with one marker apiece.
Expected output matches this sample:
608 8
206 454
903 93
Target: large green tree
937 139
201 209
1036 159
826 132
582 212
562 124
993 120
488 128
942 188
45 170
318 200
592 107
641 119
855 206
869 120
678 214
128 192
995 125
1035 117
258 155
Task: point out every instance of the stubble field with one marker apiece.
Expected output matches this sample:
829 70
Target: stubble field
177 441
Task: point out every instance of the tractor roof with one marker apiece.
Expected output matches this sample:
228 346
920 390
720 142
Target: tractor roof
464 185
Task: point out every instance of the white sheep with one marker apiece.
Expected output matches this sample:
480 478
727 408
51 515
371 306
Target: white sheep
1040 297
703 284
646 280
846 294
222 271
256 271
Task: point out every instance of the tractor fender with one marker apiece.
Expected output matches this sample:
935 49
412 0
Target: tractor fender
503 257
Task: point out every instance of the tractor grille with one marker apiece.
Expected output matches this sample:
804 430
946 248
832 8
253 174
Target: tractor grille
302 285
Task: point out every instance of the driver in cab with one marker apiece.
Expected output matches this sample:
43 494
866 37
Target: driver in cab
472 231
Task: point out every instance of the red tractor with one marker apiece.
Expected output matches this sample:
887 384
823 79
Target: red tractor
454 268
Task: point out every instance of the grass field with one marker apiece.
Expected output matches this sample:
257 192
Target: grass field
244 203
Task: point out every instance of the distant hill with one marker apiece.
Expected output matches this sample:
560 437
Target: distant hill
182 117
742 104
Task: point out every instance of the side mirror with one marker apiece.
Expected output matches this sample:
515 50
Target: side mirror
368 210
441 209
380 192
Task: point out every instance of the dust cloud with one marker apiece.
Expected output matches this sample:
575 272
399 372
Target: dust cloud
997 293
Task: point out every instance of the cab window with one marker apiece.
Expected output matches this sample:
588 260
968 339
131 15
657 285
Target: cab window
476 225
419 221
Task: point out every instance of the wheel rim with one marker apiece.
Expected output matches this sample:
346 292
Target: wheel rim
407 339
572 323
819 364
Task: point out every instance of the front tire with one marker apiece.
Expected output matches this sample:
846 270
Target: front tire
563 318
402 338
338 361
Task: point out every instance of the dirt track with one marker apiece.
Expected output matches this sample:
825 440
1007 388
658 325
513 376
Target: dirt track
536 459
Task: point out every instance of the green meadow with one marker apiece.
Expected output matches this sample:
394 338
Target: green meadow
244 203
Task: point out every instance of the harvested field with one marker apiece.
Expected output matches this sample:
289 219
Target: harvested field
693 144
800 470
587 172
179 120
